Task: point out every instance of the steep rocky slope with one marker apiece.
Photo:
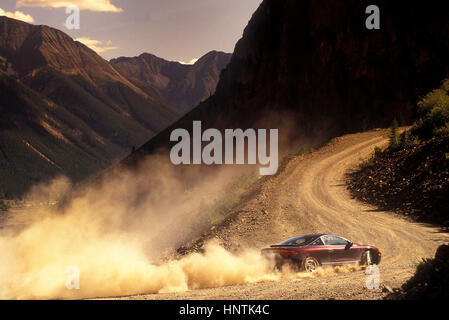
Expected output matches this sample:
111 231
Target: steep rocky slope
183 86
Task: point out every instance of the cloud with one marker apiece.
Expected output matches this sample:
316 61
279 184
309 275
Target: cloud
17 15
97 45
190 62
91 5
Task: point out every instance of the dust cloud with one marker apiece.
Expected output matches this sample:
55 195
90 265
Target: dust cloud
116 266
116 230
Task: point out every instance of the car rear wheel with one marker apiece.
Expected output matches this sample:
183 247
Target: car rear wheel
310 264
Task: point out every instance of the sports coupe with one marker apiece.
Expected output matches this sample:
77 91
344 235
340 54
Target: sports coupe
309 252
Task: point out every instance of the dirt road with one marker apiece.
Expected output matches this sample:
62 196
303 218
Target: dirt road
309 196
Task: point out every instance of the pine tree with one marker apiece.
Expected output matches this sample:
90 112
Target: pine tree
394 136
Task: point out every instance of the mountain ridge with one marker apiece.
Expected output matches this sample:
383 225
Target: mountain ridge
181 85
61 98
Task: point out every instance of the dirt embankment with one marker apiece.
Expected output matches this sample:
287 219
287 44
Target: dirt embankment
412 181
310 196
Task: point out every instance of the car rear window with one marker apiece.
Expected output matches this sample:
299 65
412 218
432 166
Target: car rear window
298 241
317 242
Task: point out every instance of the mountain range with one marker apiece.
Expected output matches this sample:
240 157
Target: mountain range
183 86
310 68
67 111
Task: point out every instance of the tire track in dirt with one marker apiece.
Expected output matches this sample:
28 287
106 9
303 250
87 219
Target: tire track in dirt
324 191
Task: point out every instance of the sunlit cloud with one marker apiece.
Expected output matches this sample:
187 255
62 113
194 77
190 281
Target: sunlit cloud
17 15
91 5
193 61
97 45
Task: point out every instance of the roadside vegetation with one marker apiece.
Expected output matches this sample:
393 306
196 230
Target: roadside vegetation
432 123
411 176
3 206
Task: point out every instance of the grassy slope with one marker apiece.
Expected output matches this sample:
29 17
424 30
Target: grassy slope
28 117
89 104
100 124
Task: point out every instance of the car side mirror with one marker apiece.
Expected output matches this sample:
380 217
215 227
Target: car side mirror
348 246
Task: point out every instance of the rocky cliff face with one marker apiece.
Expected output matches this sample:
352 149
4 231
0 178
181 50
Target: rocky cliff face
315 65
183 86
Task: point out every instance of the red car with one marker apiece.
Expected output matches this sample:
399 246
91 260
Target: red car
311 251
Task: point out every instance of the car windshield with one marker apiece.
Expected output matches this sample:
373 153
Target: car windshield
335 241
298 241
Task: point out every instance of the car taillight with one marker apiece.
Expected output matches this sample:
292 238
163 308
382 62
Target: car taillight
288 252
285 252
279 251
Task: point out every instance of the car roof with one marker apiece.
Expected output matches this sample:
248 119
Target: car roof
319 235
315 235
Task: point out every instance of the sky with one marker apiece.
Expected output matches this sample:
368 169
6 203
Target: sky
176 30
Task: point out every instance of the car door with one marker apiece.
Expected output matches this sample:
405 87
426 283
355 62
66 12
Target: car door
318 250
337 249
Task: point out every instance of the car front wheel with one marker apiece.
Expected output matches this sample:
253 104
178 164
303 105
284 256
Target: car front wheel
368 258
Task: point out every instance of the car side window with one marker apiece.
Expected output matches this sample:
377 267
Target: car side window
335 241
317 242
